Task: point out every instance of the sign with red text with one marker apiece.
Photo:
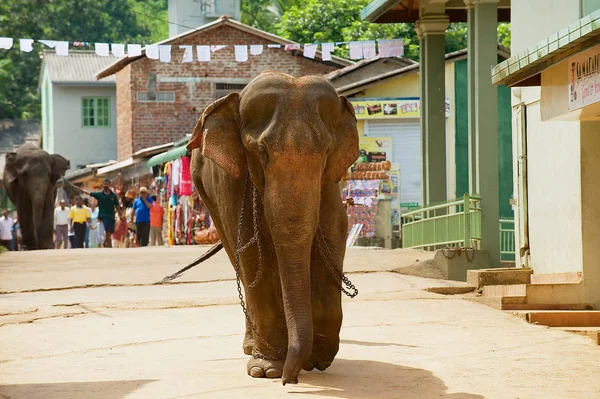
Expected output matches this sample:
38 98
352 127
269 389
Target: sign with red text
584 78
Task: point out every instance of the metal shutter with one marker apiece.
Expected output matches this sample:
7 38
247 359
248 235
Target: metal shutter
406 143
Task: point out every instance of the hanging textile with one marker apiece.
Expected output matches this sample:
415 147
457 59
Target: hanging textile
185 181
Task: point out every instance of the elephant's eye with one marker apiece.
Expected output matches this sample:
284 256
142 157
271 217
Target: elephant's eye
263 153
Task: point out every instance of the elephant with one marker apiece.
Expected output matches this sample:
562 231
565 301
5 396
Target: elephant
30 176
277 151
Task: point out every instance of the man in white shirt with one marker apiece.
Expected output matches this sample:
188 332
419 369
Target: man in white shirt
61 225
6 225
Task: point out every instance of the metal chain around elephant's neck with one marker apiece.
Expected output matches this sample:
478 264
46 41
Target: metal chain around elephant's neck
322 246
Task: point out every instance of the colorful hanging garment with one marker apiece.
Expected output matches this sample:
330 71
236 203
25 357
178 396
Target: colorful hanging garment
185 181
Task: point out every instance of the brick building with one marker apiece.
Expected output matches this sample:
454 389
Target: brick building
159 102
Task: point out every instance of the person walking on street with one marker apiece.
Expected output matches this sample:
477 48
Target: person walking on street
93 228
141 213
79 217
61 225
157 213
6 226
107 203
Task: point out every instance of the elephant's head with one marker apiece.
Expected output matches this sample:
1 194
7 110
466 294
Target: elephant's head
295 136
30 175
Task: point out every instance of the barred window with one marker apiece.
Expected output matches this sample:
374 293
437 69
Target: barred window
223 89
159 96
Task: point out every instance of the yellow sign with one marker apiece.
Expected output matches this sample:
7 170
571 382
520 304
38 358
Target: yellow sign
375 149
389 108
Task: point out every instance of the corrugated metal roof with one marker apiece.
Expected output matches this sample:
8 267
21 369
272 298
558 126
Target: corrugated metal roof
78 67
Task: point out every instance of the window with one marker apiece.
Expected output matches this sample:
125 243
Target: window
223 89
95 112
159 96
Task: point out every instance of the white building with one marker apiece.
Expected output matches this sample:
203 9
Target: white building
78 112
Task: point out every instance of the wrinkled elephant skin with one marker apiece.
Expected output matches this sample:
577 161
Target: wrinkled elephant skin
30 176
295 138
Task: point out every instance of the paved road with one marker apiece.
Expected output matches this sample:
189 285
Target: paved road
90 324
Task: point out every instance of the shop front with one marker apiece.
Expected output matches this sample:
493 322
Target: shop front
187 219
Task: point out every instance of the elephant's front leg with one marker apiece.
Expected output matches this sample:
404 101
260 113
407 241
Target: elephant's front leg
266 332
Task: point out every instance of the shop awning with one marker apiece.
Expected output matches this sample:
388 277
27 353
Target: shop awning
170 155
524 69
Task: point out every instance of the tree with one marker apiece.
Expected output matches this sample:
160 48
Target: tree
81 20
339 21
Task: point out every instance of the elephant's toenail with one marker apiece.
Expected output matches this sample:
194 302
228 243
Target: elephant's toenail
273 373
257 372
323 365
308 366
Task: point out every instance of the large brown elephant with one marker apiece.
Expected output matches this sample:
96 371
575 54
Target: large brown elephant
30 176
291 139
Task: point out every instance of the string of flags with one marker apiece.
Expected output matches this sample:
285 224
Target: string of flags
357 49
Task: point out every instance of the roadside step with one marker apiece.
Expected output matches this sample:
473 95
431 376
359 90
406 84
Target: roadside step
558 318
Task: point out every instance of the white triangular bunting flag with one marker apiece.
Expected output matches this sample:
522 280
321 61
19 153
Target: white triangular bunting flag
152 51
26 45
188 55
356 50
203 53
310 50
293 46
241 53
49 43
118 50
6 43
256 49
134 50
326 50
102 49
274 45
165 52
62 48
214 49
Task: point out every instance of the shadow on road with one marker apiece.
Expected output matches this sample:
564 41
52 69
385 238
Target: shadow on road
366 379
73 390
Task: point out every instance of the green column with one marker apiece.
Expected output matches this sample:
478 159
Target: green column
483 120
431 30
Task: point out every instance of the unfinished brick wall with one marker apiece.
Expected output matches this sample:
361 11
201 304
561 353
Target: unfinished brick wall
146 124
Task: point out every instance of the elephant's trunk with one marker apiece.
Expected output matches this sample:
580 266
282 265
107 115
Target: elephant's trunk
37 195
293 212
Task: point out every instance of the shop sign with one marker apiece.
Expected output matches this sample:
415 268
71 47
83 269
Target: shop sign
409 205
389 108
375 149
584 78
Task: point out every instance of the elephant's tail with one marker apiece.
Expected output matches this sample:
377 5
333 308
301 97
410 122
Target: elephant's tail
208 254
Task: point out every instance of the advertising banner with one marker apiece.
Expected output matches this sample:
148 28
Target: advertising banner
584 78
375 149
389 108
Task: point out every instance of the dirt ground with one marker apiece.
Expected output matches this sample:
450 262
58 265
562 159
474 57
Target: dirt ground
92 324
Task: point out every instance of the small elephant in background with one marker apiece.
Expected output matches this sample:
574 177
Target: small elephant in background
290 139
30 177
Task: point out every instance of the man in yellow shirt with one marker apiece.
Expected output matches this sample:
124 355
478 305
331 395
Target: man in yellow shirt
79 217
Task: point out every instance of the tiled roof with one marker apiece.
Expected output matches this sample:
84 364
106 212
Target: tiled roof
78 67
401 61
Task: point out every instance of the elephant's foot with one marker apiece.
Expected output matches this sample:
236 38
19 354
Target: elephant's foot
323 353
262 368
248 344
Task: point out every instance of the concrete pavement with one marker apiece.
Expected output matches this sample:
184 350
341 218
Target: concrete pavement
90 324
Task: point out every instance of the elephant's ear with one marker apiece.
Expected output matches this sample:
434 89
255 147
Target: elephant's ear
10 168
59 166
345 150
218 135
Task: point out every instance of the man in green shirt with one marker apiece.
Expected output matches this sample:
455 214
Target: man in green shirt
107 202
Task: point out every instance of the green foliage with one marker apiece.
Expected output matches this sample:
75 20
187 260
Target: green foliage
504 34
81 20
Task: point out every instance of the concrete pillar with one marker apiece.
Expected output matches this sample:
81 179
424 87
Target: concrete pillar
431 29
483 119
